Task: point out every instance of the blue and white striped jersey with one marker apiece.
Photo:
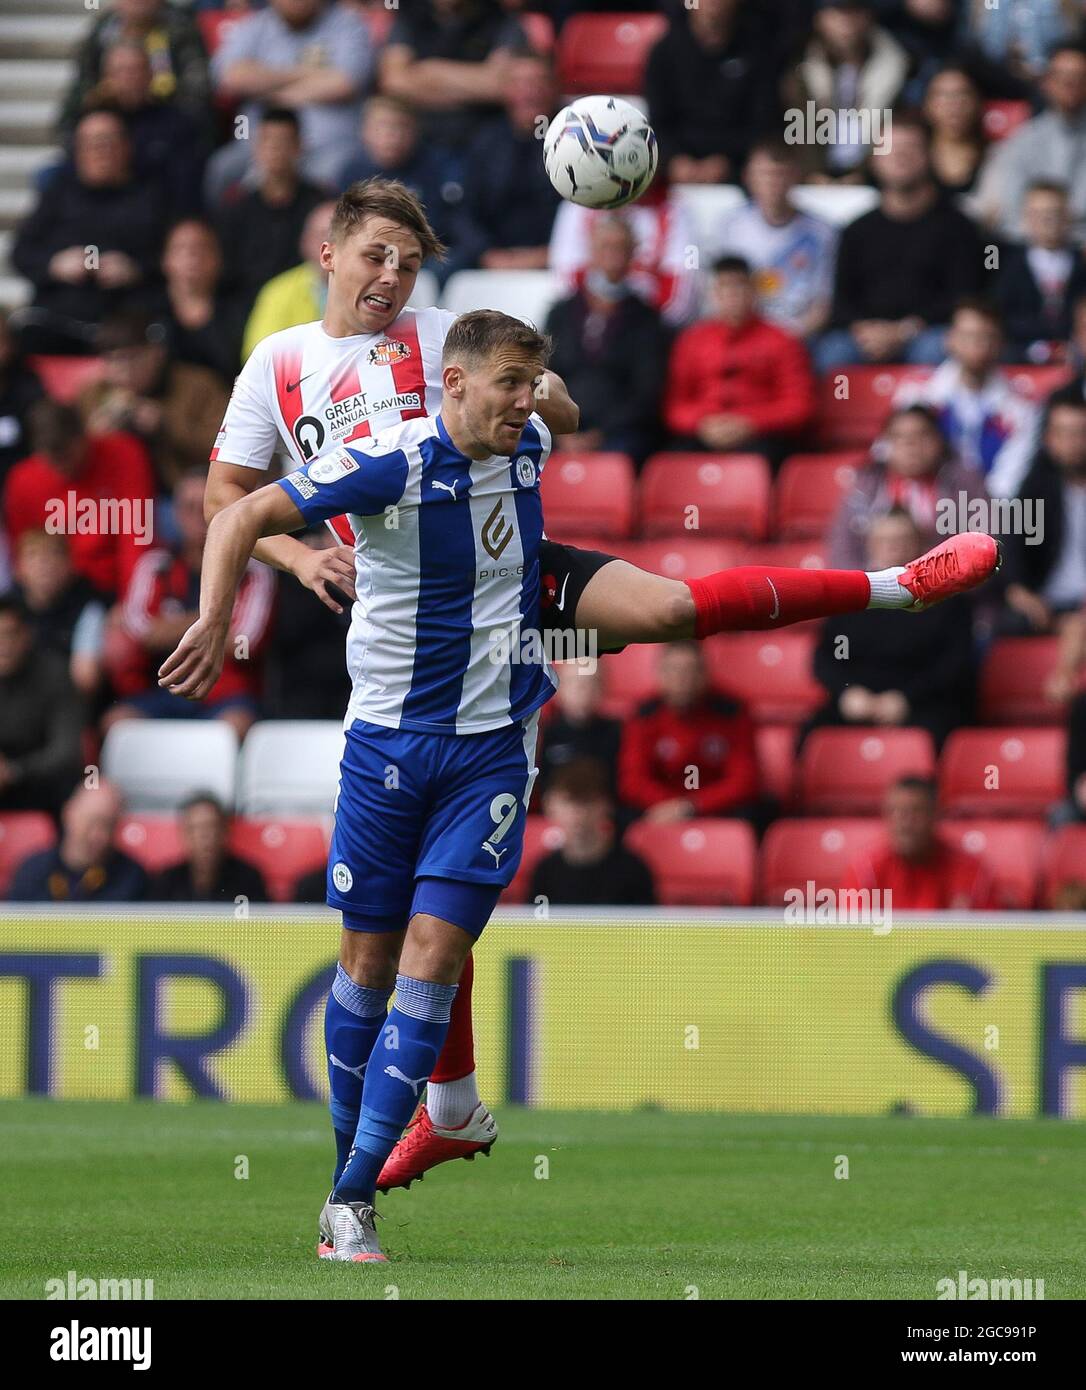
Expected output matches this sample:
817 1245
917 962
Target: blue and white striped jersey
446 554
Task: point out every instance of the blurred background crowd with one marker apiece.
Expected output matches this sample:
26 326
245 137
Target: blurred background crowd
820 343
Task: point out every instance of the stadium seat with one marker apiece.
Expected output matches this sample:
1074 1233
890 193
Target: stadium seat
725 494
427 291
606 52
1011 850
700 863
283 850
526 294
541 837
809 489
216 24
65 377
629 679
776 747
769 671
379 19
684 557
1002 772
589 494
290 767
1012 682
539 30
157 763
803 555
855 401
153 841
822 851
845 772
1037 383
838 205
1064 861
1002 118
22 833
706 205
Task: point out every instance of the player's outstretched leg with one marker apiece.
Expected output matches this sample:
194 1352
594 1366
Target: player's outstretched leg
625 604
452 1122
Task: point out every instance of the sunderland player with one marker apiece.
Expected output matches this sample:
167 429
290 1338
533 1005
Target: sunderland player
439 762
371 363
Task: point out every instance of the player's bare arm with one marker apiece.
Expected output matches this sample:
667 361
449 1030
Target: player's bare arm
315 569
193 668
559 411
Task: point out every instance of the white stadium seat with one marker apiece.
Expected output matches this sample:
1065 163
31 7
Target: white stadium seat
157 763
706 206
290 767
427 291
838 206
526 294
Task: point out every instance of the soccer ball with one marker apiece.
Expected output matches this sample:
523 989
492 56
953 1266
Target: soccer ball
600 152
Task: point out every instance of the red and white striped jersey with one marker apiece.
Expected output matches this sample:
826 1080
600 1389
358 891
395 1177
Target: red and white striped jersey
308 392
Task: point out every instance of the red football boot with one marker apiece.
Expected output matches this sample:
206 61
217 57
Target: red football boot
958 564
424 1146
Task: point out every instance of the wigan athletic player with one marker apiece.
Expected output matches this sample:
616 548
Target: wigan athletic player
371 363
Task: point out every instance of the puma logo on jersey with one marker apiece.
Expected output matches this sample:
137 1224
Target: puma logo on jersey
497 853
355 1071
445 487
397 1075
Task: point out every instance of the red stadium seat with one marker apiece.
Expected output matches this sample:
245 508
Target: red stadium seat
541 837
809 490
629 679
776 745
590 494
1012 682
1037 383
606 52
845 772
22 833
1011 849
769 671
216 24
1002 772
153 841
1064 861
698 863
380 19
539 30
685 557
1002 118
855 401
822 851
282 849
705 494
802 555
65 377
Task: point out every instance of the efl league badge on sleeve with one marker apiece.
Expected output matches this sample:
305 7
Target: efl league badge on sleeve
330 470
525 471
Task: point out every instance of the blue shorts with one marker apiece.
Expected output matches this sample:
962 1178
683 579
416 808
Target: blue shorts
414 809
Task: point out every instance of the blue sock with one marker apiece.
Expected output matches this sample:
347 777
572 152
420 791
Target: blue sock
352 1020
400 1065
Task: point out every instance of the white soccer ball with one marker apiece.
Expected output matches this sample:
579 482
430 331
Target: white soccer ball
600 152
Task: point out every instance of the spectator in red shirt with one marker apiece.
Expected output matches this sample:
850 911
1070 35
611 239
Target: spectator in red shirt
99 492
737 383
920 871
162 601
690 751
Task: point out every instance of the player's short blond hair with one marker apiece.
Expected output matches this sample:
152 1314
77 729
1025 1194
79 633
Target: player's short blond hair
477 334
387 198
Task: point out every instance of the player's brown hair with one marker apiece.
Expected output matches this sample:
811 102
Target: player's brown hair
475 335
389 198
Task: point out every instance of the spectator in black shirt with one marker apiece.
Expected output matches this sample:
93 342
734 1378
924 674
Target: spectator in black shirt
902 266
577 729
41 719
84 866
65 614
610 349
1040 280
260 226
591 867
306 677
450 59
209 873
203 320
711 86
19 389
91 246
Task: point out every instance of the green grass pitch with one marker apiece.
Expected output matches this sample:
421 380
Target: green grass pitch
633 1205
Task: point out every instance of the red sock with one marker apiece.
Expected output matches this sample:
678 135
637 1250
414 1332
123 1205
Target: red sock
457 1057
752 597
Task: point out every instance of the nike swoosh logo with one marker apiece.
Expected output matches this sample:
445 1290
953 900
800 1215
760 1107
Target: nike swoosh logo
562 596
776 599
293 385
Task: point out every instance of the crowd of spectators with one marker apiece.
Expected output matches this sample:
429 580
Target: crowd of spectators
184 223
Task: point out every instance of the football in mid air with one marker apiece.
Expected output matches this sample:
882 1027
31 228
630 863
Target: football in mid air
600 152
